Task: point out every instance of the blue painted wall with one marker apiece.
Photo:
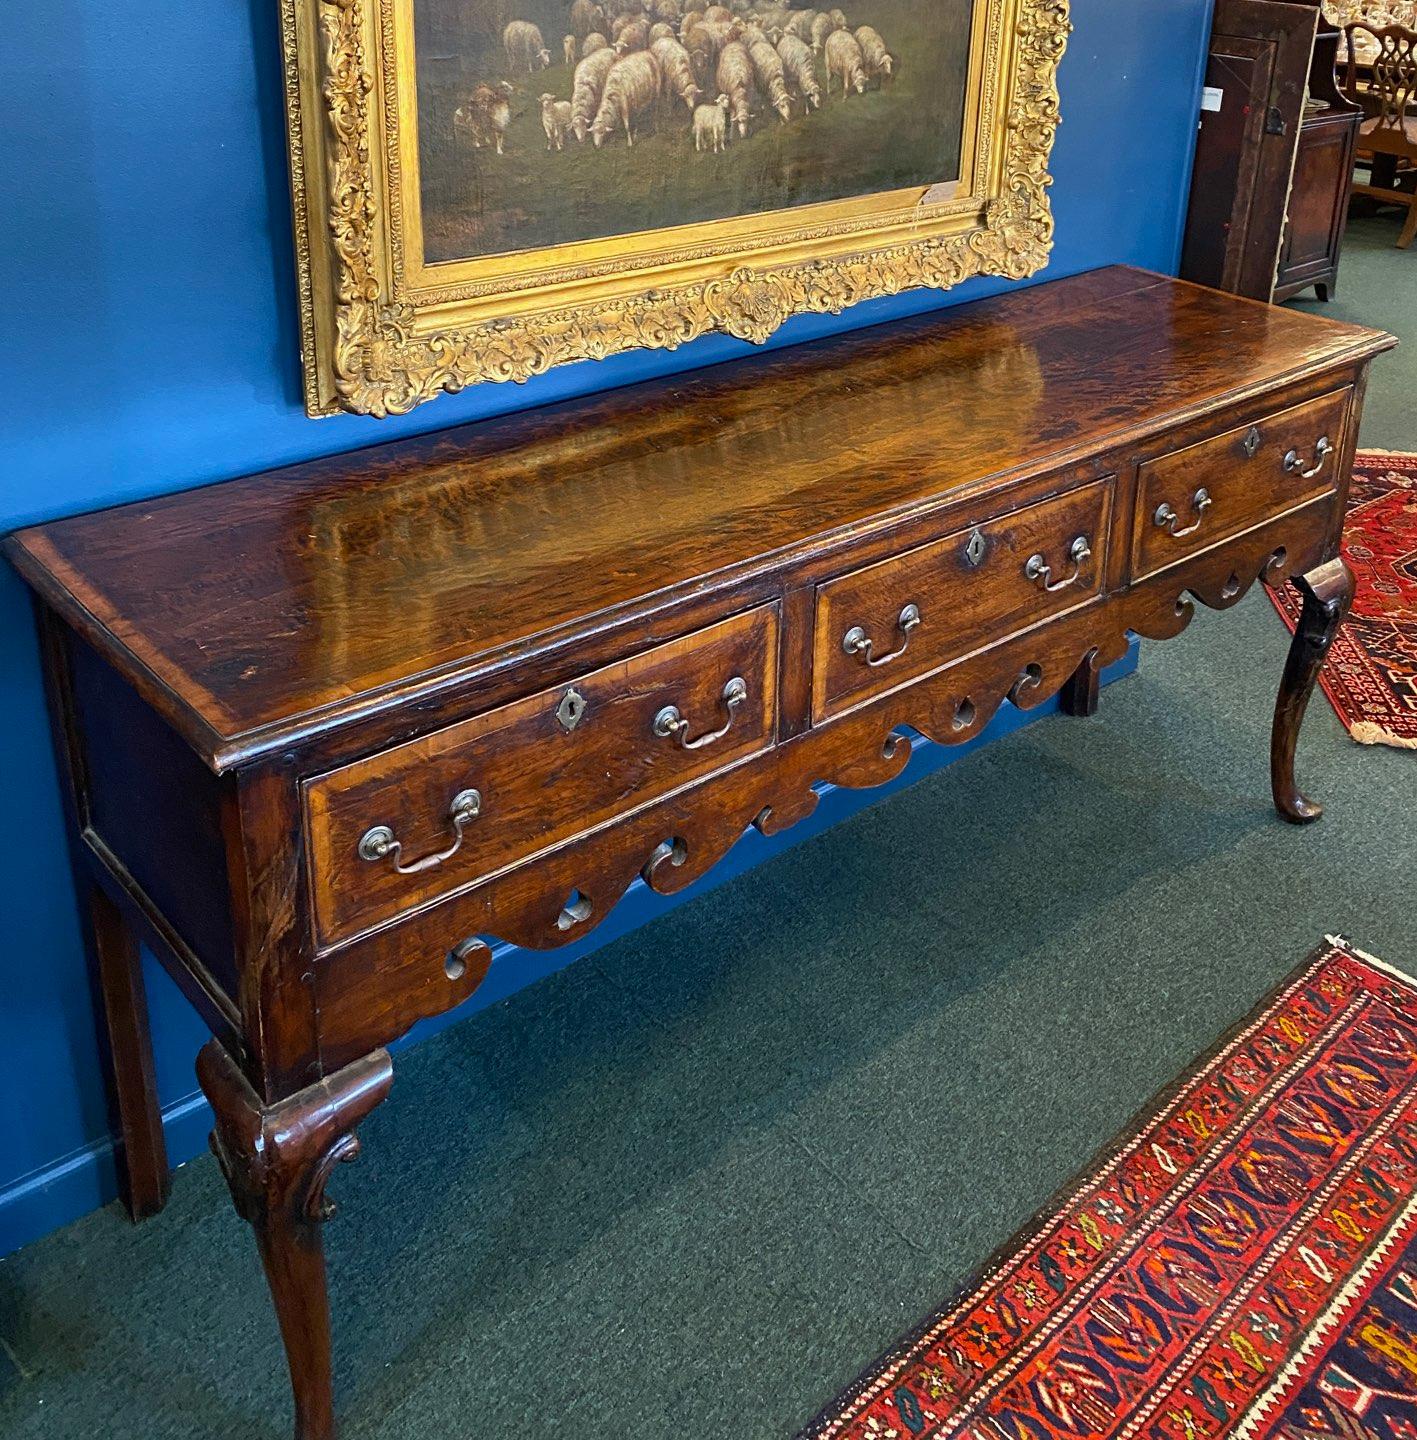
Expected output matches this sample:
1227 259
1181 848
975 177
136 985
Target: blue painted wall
151 344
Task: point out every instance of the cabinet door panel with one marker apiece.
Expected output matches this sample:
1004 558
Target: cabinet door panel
1260 52
1318 204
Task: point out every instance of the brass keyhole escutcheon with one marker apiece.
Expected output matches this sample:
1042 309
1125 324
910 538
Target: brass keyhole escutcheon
568 713
974 551
1252 441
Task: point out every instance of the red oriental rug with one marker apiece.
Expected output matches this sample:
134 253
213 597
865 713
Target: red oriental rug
1243 1266
1371 672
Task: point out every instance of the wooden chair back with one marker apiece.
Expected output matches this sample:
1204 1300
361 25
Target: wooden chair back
1389 99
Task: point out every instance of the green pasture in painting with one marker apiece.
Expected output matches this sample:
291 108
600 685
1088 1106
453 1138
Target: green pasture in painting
891 131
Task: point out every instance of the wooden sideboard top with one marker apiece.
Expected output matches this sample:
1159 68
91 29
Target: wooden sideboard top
259 609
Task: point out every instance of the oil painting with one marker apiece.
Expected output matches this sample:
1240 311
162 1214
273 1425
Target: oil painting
547 122
485 189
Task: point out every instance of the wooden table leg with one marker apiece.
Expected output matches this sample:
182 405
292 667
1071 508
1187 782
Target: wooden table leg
1327 592
1079 696
143 1176
277 1160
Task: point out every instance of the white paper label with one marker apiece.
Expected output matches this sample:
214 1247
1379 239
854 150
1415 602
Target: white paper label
1212 97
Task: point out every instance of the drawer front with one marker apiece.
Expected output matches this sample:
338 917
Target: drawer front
1207 492
892 622
404 827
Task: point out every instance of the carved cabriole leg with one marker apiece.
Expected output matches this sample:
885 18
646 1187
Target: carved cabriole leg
1080 695
1327 592
277 1160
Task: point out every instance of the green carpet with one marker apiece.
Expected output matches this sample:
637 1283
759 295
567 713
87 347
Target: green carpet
690 1186
1377 285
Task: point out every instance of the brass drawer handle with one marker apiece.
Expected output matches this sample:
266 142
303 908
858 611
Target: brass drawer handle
857 642
379 842
669 722
1293 460
1167 518
1040 572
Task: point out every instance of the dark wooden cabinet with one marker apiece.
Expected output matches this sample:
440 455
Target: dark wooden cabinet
1274 158
1323 180
1251 117
328 732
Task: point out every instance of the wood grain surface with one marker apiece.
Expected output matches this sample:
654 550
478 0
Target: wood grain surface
259 610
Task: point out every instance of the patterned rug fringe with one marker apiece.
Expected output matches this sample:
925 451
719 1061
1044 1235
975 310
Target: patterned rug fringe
1343 943
1369 732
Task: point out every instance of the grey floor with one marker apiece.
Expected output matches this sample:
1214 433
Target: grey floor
692 1185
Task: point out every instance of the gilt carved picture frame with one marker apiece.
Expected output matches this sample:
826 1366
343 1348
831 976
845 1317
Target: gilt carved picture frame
484 189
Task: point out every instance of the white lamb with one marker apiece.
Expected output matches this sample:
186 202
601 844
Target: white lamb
588 87
845 62
877 61
631 88
525 47
711 127
555 120
800 67
569 49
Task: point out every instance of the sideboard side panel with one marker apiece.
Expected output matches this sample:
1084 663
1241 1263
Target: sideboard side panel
156 808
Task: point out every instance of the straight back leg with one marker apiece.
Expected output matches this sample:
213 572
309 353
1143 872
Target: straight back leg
1079 696
143 1177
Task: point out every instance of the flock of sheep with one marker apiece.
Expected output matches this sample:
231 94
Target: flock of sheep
635 59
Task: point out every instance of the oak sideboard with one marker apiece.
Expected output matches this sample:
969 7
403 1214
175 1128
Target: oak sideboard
329 730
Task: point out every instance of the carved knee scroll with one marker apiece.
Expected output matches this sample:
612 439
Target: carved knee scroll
277 1160
1327 593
